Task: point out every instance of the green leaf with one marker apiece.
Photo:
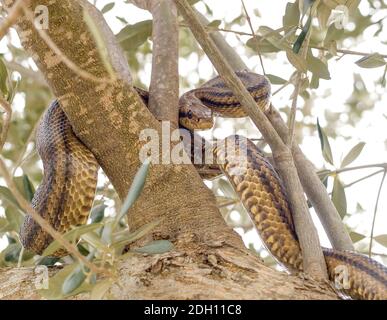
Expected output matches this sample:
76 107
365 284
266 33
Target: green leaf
338 197
323 175
297 61
54 291
28 187
135 189
124 239
371 61
292 15
71 236
3 77
132 36
97 213
155 247
263 44
333 34
214 24
275 79
14 217
6 194
352 154
325 146
301 38
382 239
356 237
317 67
107 7
73 280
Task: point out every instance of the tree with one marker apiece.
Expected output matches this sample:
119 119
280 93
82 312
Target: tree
80 61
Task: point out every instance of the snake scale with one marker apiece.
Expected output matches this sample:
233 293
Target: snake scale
66 194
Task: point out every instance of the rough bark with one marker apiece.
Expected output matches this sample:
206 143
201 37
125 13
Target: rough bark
108 118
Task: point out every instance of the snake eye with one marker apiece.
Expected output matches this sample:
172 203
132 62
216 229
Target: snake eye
189 114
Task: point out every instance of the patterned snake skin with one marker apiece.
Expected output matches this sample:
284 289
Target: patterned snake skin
65 196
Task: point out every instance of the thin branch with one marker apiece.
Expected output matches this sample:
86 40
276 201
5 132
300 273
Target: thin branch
6 121
254 36
314 263
68 62
366 166
26 206
12 16
363 178
375 211
297 88
164 86
242 33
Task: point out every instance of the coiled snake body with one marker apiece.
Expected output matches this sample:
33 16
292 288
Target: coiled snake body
65 196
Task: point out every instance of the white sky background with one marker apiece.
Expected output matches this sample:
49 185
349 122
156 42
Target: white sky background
370 129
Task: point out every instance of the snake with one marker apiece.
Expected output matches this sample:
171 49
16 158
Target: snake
65 196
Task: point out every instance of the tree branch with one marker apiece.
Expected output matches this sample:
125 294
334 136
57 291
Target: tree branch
313 187
314 263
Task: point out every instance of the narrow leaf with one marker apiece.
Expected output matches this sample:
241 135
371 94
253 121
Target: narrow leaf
97 213
356 237
371 61
71 236
135 189
107 7
155 247
338 197
382 239
73 281
352 154
275 79
325 146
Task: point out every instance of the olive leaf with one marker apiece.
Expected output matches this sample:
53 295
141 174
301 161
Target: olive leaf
155 247
325 146
107 7
371 61
275 79
135 189
301 38
214 24
352 154
97 213
292 14
54 291
71 236
356 237
338 197
132 36
382 239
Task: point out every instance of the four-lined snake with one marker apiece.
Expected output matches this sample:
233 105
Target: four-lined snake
65 196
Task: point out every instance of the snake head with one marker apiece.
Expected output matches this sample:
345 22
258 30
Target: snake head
195 116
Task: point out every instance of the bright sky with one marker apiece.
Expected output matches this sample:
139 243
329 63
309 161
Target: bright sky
370 129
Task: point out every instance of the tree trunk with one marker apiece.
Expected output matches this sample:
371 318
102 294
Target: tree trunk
209 260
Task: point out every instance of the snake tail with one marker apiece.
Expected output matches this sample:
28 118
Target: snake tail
263 195
66 194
